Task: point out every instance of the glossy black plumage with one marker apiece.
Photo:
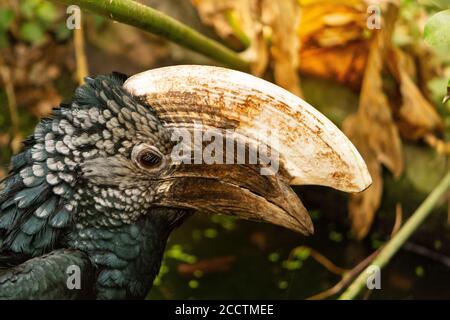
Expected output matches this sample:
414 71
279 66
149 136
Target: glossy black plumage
98 178
73 196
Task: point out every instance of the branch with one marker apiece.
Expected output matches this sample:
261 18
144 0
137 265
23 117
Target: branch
151 20
80 56
5 77
346 279
321 259
388 251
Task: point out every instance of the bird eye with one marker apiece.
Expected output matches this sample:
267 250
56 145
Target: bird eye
147 157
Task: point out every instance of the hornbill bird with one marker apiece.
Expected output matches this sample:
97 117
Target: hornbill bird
97 187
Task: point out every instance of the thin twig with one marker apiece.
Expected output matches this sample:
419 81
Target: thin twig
389 250
151 20
367 294
350 275
442 147
5 75
427 253
80 56
12 105
346 278
398 219
321 259
448 210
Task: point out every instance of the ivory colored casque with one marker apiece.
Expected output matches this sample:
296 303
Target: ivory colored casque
116 228
312 150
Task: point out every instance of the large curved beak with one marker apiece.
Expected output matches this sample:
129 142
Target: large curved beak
237 190
311 149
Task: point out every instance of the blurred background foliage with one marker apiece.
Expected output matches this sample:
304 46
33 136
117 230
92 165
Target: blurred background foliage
321 50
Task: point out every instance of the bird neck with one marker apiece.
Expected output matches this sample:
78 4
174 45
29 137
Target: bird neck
128 257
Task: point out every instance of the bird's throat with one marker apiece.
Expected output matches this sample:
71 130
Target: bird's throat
128 257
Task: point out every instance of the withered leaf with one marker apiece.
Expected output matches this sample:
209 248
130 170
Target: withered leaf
363 206
284 17
247 21
270 27
447 97
417 116
373 131
334 40
343 64
425 169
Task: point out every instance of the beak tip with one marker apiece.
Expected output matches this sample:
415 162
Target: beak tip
355 177
304 229
361 182
363 179
304 225
309 229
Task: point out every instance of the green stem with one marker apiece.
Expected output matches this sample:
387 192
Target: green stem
388 251
232 19
151 20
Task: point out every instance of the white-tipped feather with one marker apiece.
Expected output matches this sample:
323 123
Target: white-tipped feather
312 149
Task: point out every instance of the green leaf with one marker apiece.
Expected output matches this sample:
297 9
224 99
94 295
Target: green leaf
425 167
28 8
437 31
4 41
32 32
437 87
6 18
99 21
62 32
441 3
46 12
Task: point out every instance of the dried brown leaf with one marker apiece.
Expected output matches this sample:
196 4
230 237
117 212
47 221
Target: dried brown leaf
34 71
346 23
417 117
45 100
363 206
374 132
283 17
16 143
4 139
334 40
377 122
271 28
343 64
216 13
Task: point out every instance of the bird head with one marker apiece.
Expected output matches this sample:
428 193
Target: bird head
290 141
159 124
112 155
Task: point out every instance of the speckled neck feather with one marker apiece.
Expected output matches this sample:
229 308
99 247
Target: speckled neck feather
73 186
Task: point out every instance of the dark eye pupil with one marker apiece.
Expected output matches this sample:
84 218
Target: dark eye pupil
149 159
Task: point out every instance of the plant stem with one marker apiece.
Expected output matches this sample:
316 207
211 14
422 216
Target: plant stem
388 251
5 76
151 20
80 56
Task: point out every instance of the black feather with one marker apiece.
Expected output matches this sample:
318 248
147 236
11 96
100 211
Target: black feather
20 160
